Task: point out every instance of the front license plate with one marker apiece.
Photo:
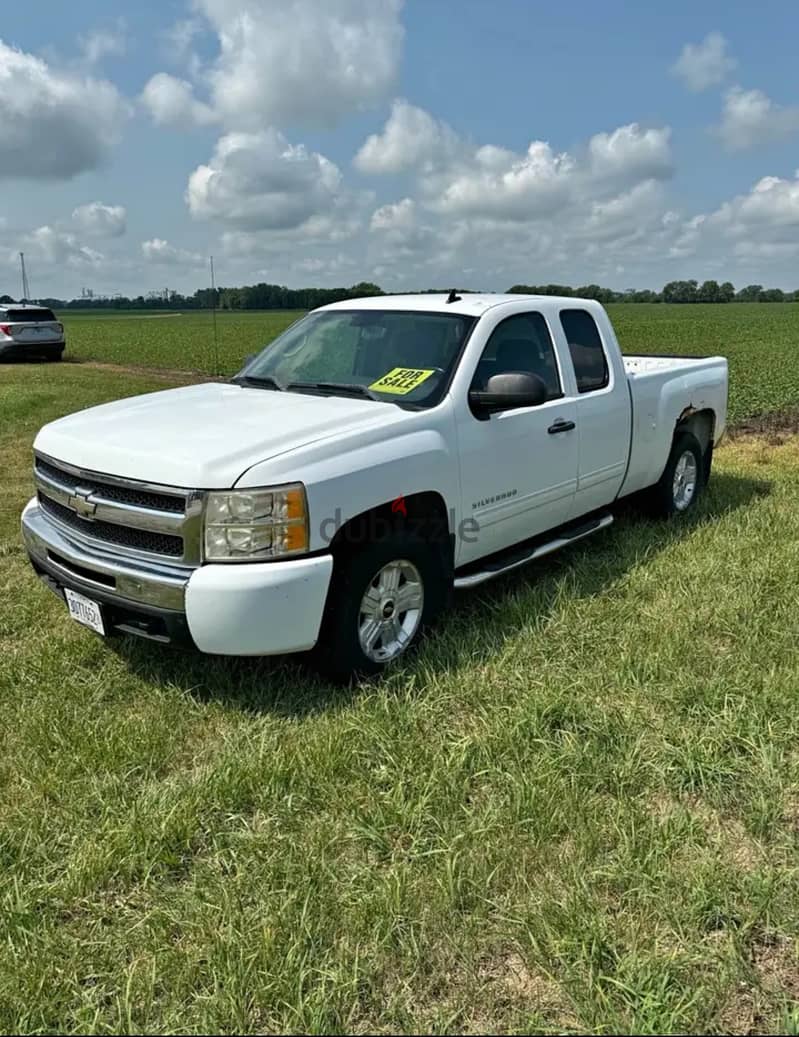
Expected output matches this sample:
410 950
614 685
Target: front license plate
85 610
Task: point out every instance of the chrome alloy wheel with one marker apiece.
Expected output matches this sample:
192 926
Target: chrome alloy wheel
391 610
684 485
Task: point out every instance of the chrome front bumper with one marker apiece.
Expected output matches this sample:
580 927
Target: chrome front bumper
265 608
158 585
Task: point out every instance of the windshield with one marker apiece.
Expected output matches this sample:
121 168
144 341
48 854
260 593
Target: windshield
401 356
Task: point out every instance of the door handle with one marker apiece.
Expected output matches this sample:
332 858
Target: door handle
561 426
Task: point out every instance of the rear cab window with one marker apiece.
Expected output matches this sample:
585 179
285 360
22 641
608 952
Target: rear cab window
586 350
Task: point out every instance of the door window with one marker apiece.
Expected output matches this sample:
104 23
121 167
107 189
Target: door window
520 343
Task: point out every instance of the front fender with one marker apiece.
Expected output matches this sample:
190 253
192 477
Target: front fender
350 475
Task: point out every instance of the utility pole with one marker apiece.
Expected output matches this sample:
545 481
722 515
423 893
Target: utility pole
26 292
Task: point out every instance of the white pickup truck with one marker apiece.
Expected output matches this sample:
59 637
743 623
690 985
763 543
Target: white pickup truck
377 454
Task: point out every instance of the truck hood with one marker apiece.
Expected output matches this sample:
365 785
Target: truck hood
203 436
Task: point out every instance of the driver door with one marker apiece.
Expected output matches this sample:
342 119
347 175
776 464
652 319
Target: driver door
519 466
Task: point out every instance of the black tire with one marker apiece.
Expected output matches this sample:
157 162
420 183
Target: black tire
339 654
664 500
707 464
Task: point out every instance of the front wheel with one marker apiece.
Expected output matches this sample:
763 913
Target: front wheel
381 598
683 479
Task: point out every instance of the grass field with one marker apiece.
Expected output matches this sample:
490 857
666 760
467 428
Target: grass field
577 808
761 342
177 341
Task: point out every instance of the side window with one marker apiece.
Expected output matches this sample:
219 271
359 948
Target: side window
520 343
585 347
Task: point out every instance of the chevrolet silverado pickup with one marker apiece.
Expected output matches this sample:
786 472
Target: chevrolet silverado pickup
376 455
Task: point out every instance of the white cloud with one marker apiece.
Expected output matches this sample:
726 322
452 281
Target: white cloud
179 39
298 62
770 211
752 231
104 43
395 216
503 185
492 182
171 102
100 220
705 64
411 138
54 246
750 118
631 154
488 211
55 124
258 181
325 268
158 250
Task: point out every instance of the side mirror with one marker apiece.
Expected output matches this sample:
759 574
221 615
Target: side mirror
508 391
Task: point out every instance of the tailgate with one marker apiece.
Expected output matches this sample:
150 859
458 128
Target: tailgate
36 331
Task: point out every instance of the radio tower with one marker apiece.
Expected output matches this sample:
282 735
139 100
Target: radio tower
25 286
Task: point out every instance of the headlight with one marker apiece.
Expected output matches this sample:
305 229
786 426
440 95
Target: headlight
252 525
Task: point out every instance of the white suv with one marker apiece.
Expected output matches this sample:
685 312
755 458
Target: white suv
30 332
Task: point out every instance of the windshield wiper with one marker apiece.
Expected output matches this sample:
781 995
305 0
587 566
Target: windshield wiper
348 388
263 381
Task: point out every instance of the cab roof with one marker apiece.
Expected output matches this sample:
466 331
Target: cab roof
472 303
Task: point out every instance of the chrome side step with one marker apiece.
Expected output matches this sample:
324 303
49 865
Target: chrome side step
515 560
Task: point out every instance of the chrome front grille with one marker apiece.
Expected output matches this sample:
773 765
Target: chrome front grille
121 515
123 494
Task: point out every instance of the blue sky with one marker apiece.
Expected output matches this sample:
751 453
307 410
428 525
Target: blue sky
424 143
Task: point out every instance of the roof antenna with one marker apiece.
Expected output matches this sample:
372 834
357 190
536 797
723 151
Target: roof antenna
453 297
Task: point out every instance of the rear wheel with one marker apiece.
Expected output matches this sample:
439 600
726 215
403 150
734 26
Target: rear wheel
381 598
683 478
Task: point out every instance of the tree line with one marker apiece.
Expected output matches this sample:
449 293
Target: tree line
674 291
278 297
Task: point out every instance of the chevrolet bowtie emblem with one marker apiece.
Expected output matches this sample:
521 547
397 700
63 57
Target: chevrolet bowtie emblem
80 503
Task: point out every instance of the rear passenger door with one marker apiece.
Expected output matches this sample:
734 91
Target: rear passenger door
603 412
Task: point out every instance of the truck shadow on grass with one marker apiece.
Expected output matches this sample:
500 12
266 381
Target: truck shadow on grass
476 625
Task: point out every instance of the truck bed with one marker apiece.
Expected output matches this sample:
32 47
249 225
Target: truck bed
662 389
636 365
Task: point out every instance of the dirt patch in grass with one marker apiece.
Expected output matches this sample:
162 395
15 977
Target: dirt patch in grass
508 980
774 425
168 374
723 831
741 1012
756 1005
775 959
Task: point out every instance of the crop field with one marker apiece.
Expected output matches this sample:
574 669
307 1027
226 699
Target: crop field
179 341
760 340
574 809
